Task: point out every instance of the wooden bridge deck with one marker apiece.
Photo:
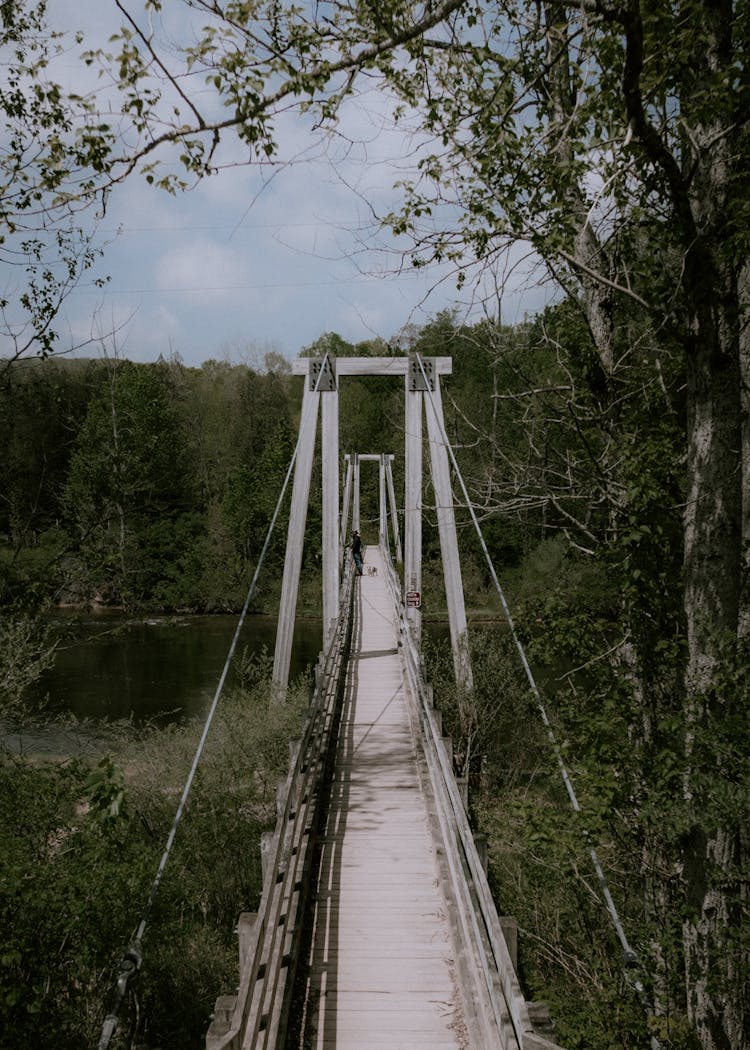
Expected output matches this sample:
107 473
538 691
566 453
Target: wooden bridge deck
381 967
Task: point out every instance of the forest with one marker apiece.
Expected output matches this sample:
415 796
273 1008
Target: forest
605 444
142 486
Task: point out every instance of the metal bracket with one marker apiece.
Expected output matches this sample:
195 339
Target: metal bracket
327 374
416 379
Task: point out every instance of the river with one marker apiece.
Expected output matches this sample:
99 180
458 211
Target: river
164 668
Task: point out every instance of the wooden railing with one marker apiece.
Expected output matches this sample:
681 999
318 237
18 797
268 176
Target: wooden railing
270 941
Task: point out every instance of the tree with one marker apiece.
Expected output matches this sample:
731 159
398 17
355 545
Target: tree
126 489
42 405
53 148
250 499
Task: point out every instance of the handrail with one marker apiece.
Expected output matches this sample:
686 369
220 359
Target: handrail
476 908
264 998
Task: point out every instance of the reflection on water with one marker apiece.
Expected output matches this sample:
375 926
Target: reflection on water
111 667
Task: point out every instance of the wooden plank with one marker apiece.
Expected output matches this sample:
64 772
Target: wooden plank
370 978
373 366
372 1042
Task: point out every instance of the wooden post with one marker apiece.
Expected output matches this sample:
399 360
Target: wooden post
509 926
245 934
294 543
345 504
441 483
413 505
266 844
394 512
355 501
382 505
330 563
480 841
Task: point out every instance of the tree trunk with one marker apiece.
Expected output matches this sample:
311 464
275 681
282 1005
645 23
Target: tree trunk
712 559
743 294
713 543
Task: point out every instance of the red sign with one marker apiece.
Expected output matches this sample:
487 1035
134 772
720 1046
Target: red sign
413 599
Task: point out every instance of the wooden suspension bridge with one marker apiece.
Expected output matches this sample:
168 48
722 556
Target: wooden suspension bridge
376 927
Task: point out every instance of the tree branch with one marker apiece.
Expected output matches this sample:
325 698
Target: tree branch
630 19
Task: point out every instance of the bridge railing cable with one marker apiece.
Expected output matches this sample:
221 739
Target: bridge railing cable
630 957
130 962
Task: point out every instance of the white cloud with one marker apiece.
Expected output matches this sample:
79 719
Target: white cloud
200 265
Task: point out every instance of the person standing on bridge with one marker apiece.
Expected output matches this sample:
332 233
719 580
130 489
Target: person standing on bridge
357 552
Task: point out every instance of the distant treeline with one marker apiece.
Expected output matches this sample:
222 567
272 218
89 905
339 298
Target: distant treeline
142 485
151 486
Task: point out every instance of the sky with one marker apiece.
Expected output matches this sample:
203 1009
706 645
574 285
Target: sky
242 264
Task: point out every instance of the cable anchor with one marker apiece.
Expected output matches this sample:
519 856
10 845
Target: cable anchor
130 965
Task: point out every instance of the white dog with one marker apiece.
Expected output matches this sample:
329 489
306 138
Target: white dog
372 570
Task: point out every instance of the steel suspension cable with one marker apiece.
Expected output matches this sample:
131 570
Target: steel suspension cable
131 960
630 957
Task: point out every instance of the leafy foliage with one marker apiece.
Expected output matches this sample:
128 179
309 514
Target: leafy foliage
53 146
27 649
597 487
126 472
140 485
78 867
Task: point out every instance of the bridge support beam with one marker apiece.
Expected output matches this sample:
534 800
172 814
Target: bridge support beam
421 379
386 498
355 498
331 562
382 505
295 542
345 506
413 503
446 518
394 512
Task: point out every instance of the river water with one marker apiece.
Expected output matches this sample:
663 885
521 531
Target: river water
160 670
164 668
